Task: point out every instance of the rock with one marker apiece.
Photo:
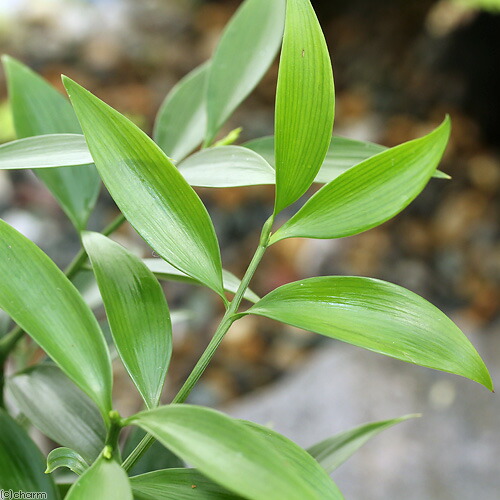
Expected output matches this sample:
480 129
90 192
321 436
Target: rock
449 454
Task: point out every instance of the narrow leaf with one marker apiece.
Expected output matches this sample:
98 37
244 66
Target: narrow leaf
21 463
305 104
334 451
56 407
182 119
370 193
247 48
181 484
234 166
226 166
149 190
342 154
298 461
66 457
105 479
164 271
42 301
38 109
226 451
137 313
45 151
378 316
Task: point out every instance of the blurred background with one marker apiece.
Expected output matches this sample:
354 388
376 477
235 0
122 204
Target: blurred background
400 66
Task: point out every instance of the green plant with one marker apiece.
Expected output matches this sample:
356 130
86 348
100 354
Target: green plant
69 398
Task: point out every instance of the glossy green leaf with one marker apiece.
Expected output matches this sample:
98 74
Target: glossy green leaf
182 119
178 484
164 271
298 461
342 154
370 193
305 104
45 151
105 479
56 407
137 313
42 301
155 458
247 48
378 316
149 190
226 166
226 451
334 451
21 463
66 457
38 109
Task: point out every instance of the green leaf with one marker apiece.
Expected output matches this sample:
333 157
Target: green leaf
342 154
38 109
182 119
226 451
105 479
45 151
378 316
298 461
164 271
137 313
56 407
246 49
305 104
370 193
21 463
44 303
155 458
178 484
149 190
227 166
334 451
66 457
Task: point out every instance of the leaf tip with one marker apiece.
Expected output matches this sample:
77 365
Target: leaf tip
488 382
483 376
70 85
67 81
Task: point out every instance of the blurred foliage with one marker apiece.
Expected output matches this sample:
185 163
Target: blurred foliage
7 132
489 5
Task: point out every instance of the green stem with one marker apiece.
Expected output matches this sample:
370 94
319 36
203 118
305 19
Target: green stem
111 448
81 257
8 342
229 318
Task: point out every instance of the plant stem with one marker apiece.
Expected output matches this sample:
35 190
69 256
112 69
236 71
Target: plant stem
229 318
8 342
81 257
